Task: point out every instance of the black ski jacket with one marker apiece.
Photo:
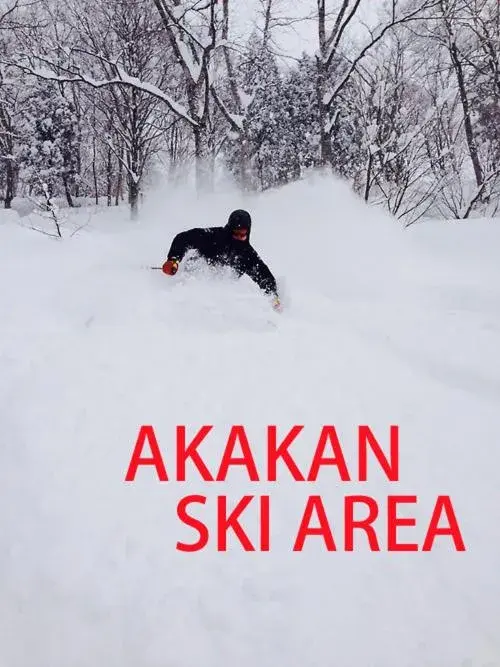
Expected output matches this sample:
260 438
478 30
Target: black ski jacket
217 247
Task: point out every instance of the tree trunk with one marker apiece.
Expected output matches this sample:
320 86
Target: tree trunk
94 171
244 164
325 134
119 181
109 177
368 176
67 190
10 184
134 198
201 169
469 132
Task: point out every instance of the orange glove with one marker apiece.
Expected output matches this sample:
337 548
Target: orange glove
170 267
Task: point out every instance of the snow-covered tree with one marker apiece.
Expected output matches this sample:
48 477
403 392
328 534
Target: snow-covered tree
301 129
260 80
96 96
49 154
11 86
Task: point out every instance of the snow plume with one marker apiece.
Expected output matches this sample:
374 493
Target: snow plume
382 327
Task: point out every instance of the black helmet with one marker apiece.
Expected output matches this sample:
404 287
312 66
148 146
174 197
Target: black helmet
239 219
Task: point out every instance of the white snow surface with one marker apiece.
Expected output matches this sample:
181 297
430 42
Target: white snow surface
382 326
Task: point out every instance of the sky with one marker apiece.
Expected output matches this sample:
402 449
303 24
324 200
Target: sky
301 34
292 40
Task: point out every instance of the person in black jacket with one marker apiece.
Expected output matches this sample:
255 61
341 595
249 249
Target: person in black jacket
225 246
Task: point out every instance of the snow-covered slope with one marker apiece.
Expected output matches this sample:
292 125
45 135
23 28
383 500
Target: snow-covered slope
381 327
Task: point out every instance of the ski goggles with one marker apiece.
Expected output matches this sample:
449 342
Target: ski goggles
240 234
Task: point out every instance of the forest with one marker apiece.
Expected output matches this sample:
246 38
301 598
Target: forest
101 99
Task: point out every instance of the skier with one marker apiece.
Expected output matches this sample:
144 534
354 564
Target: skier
225 246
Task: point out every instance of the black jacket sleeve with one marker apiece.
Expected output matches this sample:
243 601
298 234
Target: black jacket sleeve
255 267
184 241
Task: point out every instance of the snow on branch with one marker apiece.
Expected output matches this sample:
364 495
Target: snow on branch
235 120
7 12
122 79
415 14
480 190
133 175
